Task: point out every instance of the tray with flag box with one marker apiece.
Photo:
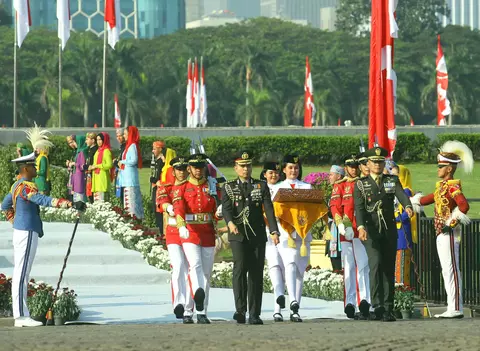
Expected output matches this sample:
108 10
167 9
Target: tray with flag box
300 195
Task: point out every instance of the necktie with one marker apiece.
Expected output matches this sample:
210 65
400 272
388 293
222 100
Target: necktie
245 187
292 185
378 181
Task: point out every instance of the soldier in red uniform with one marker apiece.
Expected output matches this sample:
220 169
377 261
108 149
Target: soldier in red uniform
354 256
181 294
451 209
194 209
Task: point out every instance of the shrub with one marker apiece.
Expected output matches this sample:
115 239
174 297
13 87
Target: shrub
59 180
472 140
7 169
66 305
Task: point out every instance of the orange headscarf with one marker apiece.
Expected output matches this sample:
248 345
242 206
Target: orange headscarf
133 139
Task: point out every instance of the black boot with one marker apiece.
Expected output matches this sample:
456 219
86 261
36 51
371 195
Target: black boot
281 301
178 311
350 311
199 299
202 319
364 308
255 320
239 317
379 312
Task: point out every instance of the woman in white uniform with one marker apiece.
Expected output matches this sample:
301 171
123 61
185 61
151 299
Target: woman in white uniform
294 264
276 270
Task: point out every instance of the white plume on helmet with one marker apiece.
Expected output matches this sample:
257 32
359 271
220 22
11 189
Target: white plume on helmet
38 138
458 148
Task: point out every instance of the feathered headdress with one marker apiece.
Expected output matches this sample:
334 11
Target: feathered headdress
456 153
38 138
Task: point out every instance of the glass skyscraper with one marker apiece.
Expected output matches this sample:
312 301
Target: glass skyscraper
140 18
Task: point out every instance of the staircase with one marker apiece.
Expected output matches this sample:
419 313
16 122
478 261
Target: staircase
116 285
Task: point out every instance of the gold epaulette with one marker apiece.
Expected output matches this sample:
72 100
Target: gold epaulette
180 183
348 179
344 179
338 219
455 187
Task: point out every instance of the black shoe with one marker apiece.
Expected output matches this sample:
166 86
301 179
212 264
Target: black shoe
388 317
179 310
294 306
379 312
277 317
295 317
372 316
255 321
187 320
364 309
239 317
199 299
360 317
281 301
350 311
202 319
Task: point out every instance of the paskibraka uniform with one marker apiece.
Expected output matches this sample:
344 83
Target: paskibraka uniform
181 294
21 208
354 256
194 210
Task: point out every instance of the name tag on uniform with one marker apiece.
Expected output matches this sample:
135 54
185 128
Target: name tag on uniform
389 187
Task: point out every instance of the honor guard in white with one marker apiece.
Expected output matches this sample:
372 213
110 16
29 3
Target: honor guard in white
295 264
21 208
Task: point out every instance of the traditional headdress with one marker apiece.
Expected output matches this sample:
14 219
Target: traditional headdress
39 139
456 153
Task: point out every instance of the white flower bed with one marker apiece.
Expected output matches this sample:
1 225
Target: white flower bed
318 283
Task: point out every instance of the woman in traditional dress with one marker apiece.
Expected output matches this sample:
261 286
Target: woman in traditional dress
78 172
42 180
72 144
295 264
91 142
406 229
102 166
276 270
129 164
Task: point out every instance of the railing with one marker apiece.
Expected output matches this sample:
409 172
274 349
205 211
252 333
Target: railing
430 271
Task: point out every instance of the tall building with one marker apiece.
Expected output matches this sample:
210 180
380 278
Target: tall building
244 8
194 10
140 18
463 13
314 11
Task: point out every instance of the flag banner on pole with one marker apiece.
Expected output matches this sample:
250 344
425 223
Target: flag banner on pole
383 80
443 105
114 19
339 122
23 19
411 122
63 16
118 119
195 96
203 100
188 97
309 114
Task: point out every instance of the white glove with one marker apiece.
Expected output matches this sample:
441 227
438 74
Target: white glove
218 244
170 211
219 212
183 232
349 234
341 229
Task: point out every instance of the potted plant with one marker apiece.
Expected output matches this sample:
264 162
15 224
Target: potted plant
5 296
404 300
65 308
39 300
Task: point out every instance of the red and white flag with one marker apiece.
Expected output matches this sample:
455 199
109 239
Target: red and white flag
203 99
114 19
117 120
188 97
195 96
411 122
443 105
63 16
383 80
309 114
23 19
339 122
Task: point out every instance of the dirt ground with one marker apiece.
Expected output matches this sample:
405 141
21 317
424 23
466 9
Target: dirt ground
422 334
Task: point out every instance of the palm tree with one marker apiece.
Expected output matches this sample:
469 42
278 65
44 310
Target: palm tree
262 107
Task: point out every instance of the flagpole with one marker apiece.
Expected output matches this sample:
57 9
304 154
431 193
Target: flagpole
104 72
15 73
60 84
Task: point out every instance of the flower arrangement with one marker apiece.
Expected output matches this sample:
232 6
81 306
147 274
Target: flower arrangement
404 298
5 296
39 298
319 180
66 306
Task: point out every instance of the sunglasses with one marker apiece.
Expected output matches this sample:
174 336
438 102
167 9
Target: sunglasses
441 166
377 161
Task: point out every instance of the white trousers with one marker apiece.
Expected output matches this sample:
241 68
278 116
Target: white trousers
295 266
276 272
356 273
200 260
448 252
181 294
24 250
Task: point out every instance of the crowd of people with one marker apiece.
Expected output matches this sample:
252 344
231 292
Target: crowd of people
370 234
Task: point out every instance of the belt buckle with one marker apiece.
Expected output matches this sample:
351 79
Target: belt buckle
202 218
